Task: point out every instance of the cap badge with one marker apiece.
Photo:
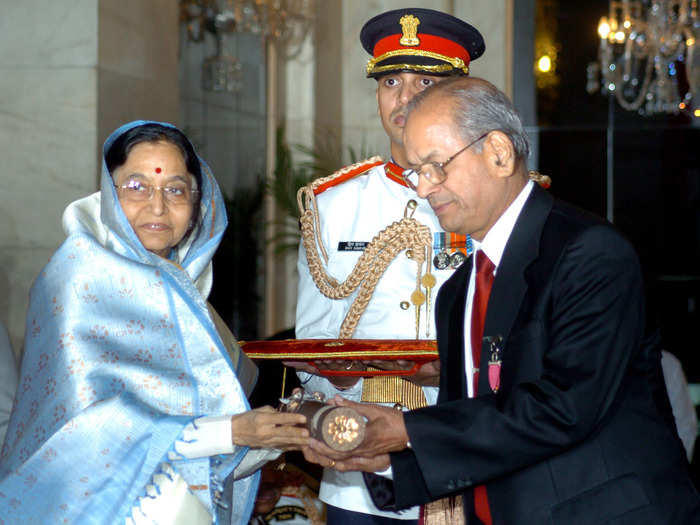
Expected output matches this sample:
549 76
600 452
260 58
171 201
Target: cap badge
409 28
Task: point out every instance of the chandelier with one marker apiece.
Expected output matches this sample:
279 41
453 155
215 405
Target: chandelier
286 23
647 56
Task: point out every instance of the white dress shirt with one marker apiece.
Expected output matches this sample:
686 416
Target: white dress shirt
493 245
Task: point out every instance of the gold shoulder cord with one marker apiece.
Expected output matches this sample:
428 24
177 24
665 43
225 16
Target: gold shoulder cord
308 192
543 180
406 234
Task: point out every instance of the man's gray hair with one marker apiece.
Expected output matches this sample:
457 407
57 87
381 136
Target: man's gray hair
479 107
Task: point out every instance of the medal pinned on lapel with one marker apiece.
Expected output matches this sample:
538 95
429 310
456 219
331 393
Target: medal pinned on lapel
495 351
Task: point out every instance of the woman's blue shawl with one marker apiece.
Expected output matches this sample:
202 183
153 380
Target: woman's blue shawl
120 354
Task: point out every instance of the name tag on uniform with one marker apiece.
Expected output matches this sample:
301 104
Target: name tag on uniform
352 246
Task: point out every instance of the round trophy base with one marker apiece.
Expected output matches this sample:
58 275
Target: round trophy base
341 428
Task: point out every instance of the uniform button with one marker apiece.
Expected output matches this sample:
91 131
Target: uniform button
409 254
405 305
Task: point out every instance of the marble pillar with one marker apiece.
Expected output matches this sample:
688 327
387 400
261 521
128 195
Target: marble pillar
70 72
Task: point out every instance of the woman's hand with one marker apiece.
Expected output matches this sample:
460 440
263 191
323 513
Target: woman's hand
267 428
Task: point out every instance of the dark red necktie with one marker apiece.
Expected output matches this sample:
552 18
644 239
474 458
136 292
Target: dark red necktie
482 291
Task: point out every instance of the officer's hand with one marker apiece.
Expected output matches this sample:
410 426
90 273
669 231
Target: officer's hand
340 382
399 365
427 375
303 366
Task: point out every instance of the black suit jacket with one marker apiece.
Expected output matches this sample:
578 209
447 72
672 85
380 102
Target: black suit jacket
580 431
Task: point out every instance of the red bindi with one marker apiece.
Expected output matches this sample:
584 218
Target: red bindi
158 170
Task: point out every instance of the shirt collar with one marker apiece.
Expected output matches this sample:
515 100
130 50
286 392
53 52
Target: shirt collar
494 242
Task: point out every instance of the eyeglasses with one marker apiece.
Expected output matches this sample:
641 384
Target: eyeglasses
434 172
137 191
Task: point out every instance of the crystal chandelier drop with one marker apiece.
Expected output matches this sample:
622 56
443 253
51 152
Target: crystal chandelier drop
222 72
647 56
286 23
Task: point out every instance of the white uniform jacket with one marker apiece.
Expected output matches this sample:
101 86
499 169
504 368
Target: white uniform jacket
351 214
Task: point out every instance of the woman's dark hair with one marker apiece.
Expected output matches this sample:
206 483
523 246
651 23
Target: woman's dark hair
122 146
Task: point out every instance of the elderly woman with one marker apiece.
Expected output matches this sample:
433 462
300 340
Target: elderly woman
131 406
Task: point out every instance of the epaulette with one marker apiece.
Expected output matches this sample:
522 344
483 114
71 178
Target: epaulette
348 172
543 180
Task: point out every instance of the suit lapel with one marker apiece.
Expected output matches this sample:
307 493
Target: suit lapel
451 304
510 285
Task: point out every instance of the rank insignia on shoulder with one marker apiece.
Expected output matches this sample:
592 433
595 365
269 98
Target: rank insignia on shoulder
352 246
321 184
451 249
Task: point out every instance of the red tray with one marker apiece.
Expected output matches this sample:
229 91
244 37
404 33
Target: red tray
420 351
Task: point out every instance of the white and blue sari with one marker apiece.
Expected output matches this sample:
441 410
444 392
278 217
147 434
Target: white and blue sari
121 356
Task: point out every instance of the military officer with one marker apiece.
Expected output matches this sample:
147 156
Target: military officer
388 292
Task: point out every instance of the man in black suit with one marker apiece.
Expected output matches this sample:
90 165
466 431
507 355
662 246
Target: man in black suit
568 421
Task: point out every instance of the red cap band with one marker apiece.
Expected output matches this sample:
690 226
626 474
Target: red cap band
432 43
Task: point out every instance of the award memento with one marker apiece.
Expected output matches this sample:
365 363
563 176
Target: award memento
341 428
